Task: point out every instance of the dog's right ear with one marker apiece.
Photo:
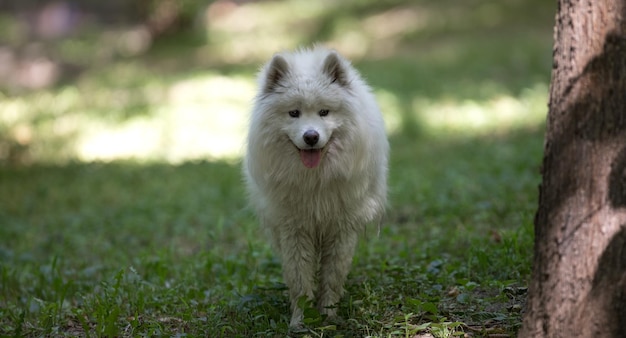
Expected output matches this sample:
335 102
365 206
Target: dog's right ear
277 70
334 68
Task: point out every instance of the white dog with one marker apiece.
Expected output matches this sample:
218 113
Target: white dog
315 169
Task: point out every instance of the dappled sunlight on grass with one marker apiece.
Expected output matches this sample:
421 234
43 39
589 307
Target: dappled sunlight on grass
501 113
201 117
206 116
449 118
198 117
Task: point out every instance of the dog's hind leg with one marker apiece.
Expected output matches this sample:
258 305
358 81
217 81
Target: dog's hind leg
335 262
299 266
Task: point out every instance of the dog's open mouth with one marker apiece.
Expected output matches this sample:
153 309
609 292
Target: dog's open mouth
311 158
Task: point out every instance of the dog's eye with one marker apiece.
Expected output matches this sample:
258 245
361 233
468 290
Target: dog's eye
323 112
294 113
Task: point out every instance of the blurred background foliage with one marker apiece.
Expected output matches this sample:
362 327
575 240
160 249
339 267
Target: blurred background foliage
172 80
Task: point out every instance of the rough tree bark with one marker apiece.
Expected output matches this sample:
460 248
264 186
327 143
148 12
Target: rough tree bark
578 288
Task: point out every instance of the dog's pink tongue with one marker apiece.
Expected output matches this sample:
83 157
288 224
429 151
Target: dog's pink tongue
311 157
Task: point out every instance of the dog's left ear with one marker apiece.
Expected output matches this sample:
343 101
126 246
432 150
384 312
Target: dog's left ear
277 70
334 68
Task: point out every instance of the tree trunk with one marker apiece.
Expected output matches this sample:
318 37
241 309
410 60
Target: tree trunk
578 287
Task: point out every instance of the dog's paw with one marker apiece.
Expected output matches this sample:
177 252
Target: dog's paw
334 320
297 328
296 324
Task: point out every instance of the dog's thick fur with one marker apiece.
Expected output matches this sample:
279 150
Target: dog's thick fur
315 169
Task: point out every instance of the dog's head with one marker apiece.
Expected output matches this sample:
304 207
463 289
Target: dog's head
307 94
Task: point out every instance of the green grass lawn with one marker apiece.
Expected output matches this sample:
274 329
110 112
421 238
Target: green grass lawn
127 249
166 246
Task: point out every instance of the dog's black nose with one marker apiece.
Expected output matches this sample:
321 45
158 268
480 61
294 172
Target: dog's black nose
311 137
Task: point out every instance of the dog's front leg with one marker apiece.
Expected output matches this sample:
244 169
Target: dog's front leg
299 267
336 258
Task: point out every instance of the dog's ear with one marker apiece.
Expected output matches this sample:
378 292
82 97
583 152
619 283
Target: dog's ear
334 68
277 70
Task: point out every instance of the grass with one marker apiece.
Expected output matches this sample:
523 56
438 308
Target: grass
122 249
164 244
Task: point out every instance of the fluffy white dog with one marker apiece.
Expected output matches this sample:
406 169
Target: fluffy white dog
315 169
